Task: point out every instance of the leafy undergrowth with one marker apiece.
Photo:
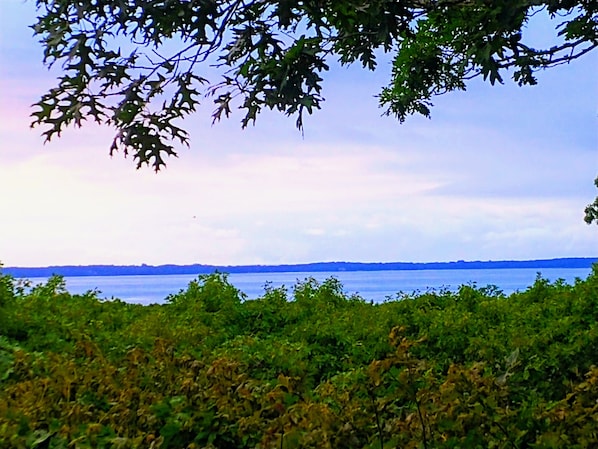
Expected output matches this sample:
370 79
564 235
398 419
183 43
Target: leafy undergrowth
310 368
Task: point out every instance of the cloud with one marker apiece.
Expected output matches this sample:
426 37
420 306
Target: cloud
498 173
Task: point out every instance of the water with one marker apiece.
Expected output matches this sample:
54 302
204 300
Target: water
370 285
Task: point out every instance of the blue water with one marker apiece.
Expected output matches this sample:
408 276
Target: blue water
370 285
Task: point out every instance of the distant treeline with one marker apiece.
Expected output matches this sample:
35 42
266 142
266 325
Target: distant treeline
123 270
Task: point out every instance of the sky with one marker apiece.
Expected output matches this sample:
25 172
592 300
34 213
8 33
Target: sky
497 173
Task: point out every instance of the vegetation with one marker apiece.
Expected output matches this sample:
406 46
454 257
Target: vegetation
591 210
309 368
141 65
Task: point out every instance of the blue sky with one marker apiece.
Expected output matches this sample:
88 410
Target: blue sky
498 173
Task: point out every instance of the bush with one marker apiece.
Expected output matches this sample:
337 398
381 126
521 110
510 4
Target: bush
472 368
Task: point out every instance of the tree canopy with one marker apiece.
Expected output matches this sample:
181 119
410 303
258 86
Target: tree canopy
141 65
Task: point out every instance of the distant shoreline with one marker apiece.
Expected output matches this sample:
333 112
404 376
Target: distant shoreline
140 270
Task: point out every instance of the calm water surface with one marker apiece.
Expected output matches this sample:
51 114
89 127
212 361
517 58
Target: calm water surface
370 285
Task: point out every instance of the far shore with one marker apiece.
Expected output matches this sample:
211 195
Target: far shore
138 270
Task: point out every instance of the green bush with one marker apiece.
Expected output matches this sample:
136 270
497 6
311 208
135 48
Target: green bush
211 369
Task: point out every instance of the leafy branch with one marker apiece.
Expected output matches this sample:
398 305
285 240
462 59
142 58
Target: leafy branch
141 66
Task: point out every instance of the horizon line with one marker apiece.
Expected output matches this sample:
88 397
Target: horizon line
145 269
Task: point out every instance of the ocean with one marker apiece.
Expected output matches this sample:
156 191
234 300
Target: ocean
374 286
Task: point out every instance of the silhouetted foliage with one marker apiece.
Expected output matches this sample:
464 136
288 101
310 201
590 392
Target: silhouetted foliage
141 65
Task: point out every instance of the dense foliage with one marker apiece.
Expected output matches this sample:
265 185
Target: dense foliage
310 368
141 65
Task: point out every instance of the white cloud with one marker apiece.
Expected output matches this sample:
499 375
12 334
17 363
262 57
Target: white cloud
498 173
